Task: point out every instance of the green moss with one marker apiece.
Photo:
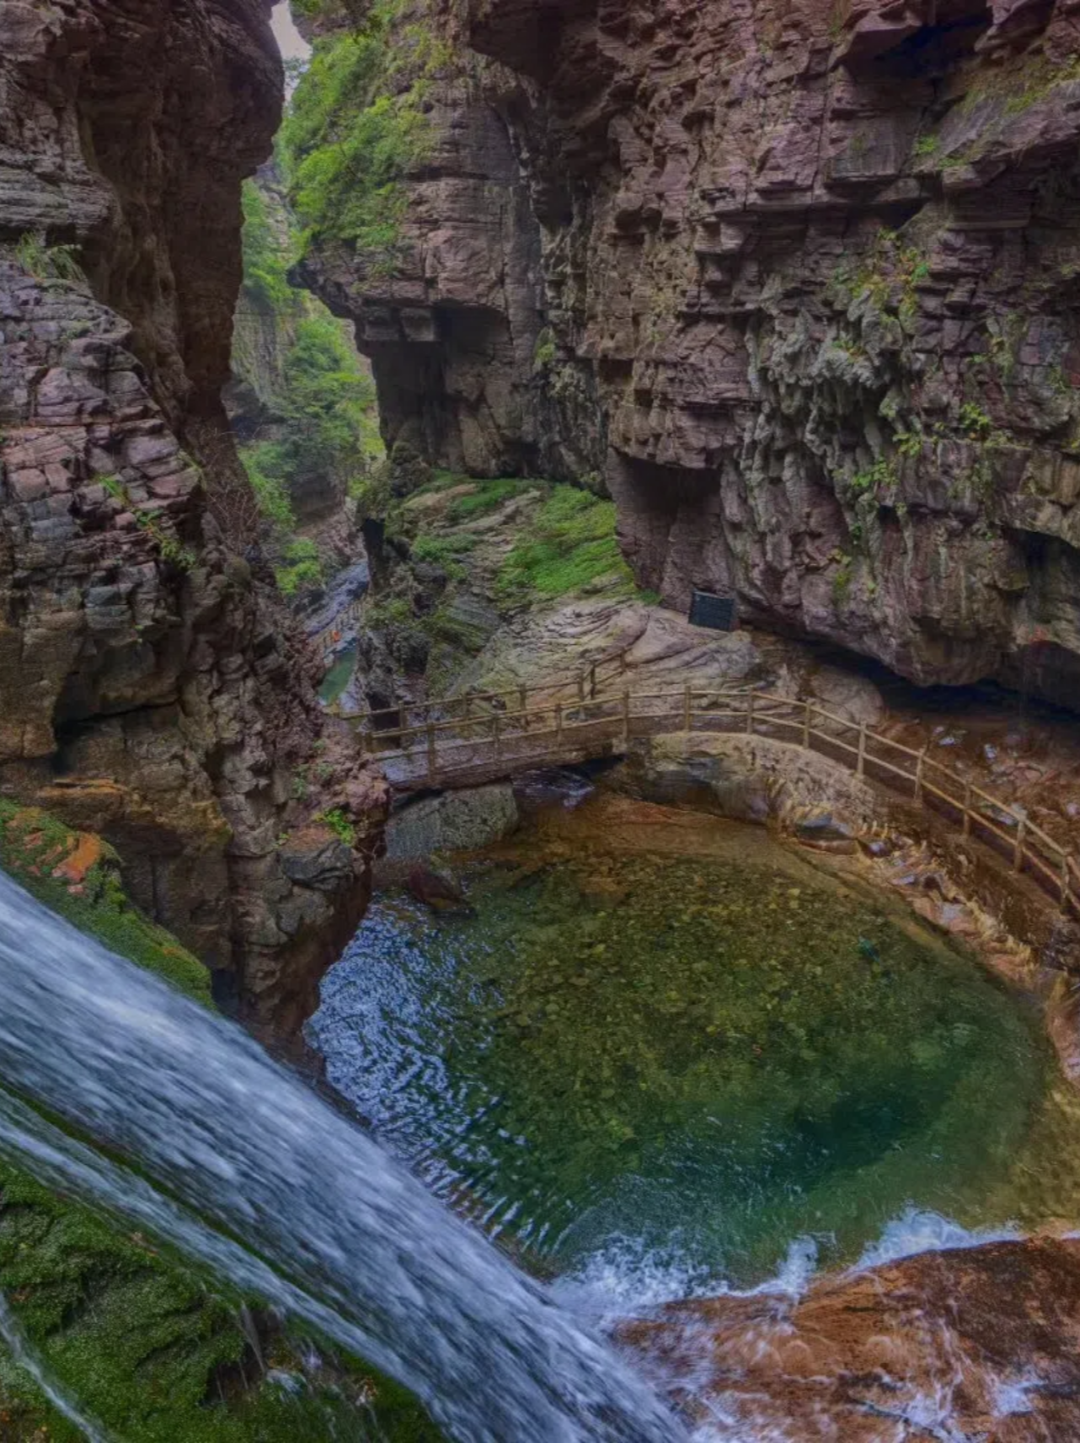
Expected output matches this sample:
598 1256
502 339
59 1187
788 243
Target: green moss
33 844
570 546
488 496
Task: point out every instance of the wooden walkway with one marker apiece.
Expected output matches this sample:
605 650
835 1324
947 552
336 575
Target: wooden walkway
475 738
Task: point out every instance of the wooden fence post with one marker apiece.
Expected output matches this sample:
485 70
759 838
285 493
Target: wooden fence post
687 708
750 715
967 809
626 715
806 727
1064 884
496 734
1018 851
860 769
581 687
432 759
918 774
592 682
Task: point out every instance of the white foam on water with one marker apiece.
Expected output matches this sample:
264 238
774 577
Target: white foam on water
916 1231
1012 1398
628 1279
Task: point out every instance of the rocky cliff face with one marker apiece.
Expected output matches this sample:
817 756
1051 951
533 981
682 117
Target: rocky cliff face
799 280
148 686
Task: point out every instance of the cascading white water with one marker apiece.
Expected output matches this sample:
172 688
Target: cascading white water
254 1174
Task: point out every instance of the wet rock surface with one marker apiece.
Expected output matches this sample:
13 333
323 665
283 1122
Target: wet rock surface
451 822
976 1343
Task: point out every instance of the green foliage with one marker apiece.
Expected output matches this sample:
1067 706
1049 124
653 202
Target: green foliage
326 406
910 443
339 824
45 262
488 496
329 402
301 567
975 421
546 350
570 546
267 256
444 551
881 476
296 559
267 467
355 127
927 145
170 548
389 611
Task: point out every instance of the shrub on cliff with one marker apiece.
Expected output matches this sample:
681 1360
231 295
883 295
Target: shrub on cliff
356 126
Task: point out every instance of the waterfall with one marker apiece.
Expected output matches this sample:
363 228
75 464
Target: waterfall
247 1170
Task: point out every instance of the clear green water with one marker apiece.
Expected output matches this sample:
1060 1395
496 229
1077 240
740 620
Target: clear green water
697 1059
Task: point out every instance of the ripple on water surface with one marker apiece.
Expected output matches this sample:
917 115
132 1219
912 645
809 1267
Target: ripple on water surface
684 1061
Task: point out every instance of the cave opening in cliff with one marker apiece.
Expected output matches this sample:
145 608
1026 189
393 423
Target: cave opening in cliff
935 47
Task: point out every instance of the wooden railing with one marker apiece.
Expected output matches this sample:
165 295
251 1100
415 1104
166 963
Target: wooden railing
452 750
584 685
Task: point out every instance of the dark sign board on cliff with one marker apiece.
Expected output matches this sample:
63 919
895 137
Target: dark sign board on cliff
715 612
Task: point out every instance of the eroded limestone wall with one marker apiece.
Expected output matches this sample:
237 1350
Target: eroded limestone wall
800 280
150 687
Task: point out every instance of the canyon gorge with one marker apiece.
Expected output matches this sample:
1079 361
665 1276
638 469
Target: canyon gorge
459 354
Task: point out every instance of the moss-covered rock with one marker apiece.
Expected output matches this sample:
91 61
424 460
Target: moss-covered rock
153 1349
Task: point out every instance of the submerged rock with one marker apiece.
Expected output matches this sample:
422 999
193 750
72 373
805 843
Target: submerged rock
437 890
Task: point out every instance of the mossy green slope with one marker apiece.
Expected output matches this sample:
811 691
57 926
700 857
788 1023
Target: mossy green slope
154 1350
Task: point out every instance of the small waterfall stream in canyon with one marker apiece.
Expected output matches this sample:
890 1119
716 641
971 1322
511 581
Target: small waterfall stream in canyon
241 1167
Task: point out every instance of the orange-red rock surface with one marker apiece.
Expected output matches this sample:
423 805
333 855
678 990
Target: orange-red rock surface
980 1344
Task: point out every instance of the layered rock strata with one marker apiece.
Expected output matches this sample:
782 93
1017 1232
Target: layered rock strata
149 686
799 281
